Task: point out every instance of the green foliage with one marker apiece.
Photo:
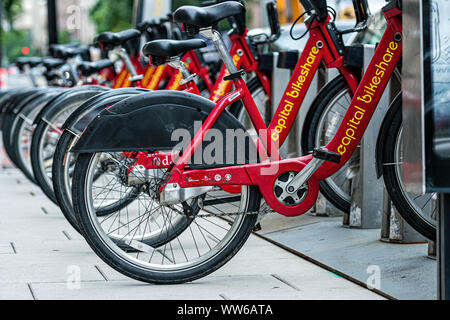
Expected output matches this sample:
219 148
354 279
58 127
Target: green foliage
12 9
178 3
64 36
113 16
13 42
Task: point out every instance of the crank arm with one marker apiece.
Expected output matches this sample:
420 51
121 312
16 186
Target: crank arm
319 157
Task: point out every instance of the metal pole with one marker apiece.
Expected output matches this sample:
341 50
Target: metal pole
443 247
52 22
138 11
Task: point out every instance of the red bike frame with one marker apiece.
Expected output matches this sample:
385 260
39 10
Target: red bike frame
363 104
243 59
194 66
242 56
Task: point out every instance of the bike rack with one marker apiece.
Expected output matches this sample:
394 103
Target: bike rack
367 191
371 207
394 228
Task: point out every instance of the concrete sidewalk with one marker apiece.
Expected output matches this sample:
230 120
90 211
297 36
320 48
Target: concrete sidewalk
40 254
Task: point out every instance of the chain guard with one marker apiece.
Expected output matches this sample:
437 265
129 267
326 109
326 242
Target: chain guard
267 182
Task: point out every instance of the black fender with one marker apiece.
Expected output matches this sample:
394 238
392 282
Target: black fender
17 99
10 117
5 102
38 104
382 134
38 100
80 118
145 123
54 106
46 96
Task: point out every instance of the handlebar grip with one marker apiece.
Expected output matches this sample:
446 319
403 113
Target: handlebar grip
361 10
320 6
306 5
274 22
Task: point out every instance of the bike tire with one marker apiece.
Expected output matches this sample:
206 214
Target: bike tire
29 109
63 104
66 141
10 119
396 192
309 134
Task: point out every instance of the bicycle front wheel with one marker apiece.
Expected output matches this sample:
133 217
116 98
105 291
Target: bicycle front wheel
322 121
418 210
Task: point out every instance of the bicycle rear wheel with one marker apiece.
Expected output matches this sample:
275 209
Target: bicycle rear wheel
64 160
23 132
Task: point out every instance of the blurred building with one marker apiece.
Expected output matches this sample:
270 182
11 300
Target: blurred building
34 20
73 21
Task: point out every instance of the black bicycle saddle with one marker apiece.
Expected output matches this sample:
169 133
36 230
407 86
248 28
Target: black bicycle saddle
208 16
171 48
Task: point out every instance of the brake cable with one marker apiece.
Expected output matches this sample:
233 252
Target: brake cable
330 10
291 32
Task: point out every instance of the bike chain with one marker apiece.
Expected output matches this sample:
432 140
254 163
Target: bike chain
263 211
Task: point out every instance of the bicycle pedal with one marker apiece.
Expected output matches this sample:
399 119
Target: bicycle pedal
324 154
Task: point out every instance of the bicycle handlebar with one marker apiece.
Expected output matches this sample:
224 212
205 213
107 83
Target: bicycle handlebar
320 7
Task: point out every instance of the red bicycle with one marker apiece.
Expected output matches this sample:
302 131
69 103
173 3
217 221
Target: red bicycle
220 200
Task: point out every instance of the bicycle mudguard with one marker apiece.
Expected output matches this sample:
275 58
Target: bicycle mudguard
382 135
5 98
53 106
80 118
5 103
43 95
10 116
18 98
146 123
37 100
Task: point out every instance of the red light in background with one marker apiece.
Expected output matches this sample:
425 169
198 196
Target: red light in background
25 50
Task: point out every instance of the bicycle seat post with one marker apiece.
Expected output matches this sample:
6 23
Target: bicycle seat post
126 59
72 62
176 63
29 73
216 37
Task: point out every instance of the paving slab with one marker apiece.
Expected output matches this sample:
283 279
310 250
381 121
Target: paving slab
404 270
15 291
